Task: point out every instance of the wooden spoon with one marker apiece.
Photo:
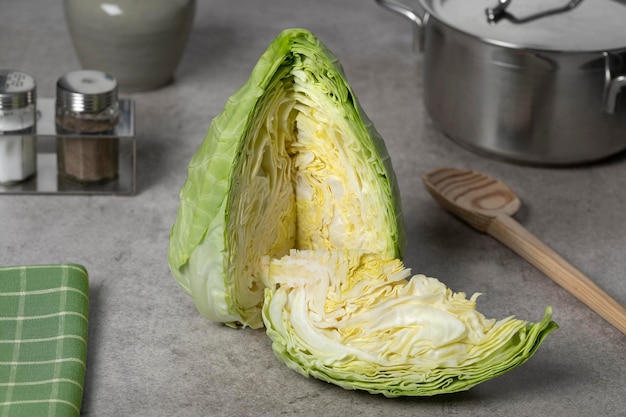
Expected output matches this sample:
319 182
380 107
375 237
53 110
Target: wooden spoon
488 204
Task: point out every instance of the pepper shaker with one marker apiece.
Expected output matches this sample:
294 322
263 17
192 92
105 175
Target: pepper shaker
17 126
87 112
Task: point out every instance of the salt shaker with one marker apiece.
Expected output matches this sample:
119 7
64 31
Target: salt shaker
87 112
17 126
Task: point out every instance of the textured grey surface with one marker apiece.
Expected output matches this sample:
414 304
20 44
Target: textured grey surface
151 354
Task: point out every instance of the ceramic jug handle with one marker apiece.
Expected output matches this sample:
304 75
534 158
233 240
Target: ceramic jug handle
418 21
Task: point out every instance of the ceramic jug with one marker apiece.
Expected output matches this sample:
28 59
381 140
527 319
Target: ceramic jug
139 42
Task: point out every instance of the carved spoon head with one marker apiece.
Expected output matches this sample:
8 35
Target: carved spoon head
474 197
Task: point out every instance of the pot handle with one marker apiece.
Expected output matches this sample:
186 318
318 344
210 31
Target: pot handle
613 90
494 14
613 87
418 22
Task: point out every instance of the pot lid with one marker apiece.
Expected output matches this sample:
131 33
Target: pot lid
559 25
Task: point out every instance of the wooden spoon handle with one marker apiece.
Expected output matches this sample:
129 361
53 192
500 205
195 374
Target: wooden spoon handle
513 235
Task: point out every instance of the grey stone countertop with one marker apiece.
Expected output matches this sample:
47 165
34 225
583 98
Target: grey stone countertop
151 354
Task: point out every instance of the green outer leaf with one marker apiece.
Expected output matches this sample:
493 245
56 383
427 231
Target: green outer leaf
199 228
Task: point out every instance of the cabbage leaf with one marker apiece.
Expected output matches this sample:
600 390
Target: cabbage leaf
291 162
361 321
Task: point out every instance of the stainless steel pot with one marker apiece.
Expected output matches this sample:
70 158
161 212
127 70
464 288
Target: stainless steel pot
534 81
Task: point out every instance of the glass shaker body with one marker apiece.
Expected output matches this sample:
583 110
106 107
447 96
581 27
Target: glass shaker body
87 112
18 117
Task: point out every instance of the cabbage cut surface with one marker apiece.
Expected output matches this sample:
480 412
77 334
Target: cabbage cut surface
361 321
291 162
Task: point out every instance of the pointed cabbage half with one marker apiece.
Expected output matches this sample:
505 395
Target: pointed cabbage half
291 162
361 321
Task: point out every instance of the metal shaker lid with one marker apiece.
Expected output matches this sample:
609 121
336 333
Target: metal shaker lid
17 89
86 91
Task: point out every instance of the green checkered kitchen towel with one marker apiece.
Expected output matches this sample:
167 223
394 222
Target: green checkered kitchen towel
43 340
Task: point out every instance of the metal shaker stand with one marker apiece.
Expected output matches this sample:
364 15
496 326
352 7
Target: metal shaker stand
47 180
